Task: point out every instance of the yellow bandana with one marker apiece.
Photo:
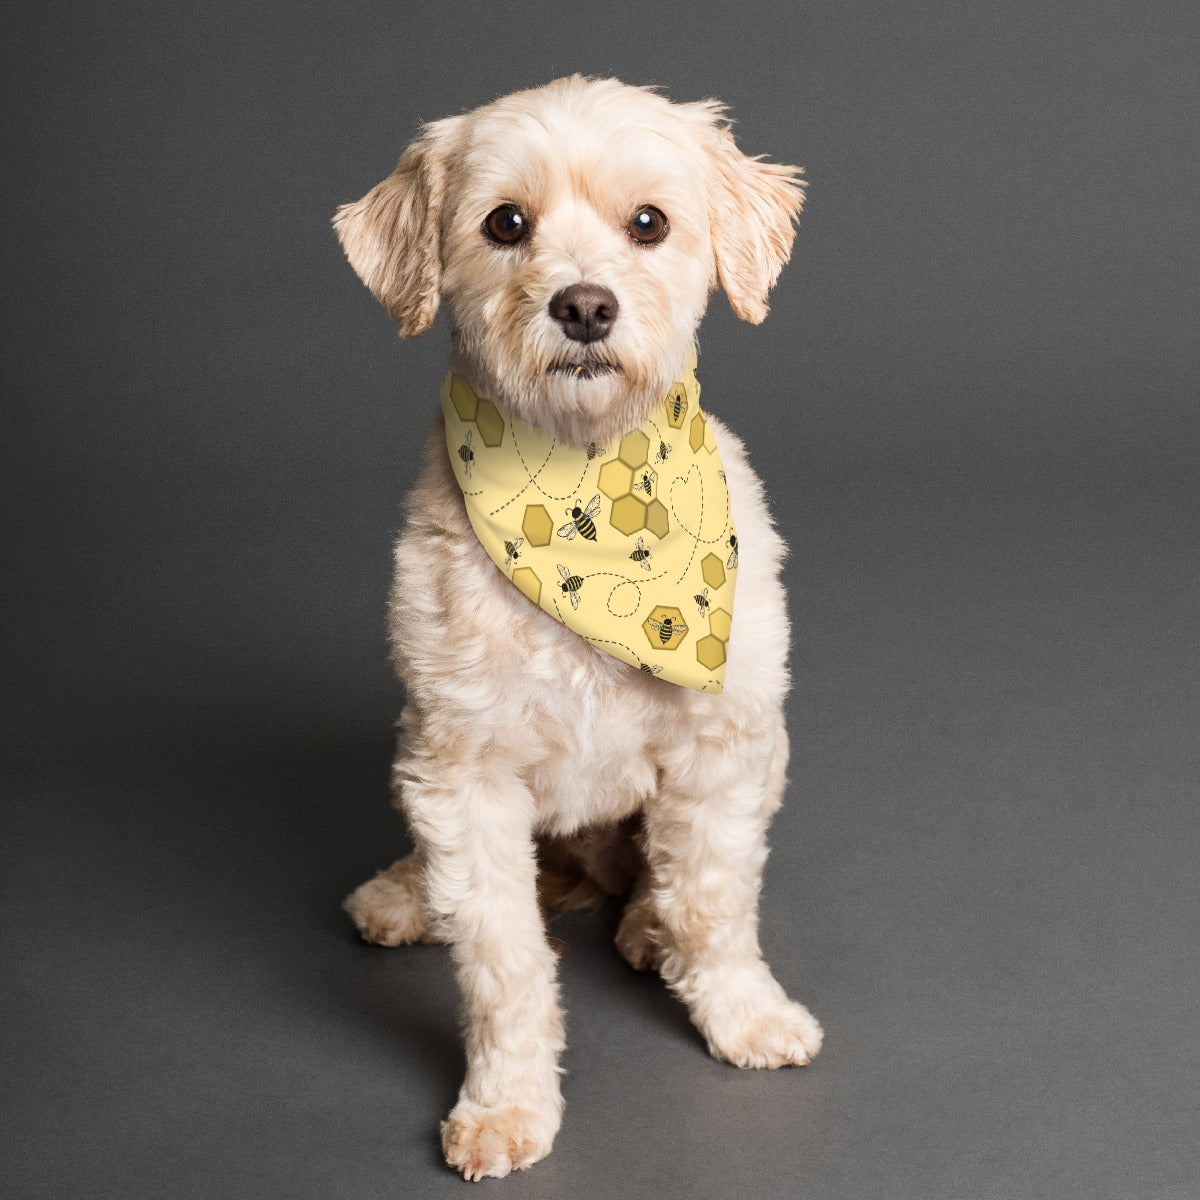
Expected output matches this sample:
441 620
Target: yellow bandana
631 545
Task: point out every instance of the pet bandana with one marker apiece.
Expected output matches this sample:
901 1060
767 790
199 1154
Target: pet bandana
631 545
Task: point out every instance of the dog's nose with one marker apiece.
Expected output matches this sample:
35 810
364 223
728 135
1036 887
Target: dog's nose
586 311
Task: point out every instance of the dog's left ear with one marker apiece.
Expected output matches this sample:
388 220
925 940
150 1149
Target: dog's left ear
392 235
753 208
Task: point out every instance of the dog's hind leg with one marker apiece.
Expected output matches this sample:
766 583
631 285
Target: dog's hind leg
706 845
638 937
582 870
389 910
473 823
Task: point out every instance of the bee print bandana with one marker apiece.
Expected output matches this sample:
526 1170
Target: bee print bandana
630 544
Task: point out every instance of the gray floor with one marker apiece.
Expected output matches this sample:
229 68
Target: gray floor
984 883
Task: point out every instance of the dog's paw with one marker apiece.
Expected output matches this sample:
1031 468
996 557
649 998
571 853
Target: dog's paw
782 1034
637 940
484 1143
389 909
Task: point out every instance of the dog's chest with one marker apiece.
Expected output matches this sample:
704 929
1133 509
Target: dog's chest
596 762
515 691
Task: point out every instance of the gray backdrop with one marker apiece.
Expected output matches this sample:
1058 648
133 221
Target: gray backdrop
980 433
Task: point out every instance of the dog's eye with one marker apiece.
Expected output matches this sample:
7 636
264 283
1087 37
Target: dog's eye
647 226
506 225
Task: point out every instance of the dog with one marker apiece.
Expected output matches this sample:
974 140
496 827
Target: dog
536 771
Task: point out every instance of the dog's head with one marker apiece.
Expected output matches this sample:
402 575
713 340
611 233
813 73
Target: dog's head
575 232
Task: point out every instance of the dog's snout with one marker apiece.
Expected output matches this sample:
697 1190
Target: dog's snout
586 311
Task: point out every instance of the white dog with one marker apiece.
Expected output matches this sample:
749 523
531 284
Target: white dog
524 746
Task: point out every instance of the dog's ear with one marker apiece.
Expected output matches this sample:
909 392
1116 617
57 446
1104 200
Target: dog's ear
392 235
753 207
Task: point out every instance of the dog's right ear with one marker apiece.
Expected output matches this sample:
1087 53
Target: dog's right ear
753 207
392 235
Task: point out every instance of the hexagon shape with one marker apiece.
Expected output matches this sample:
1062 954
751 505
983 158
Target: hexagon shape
490 423
656 518
528 582
713 570
668 620
710 652
465 402
537 526
628 514
676 404
699 435
635 448
720 622
615 479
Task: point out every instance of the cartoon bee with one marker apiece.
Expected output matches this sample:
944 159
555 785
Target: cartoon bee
641 555
570 585
702 602
676 407
731 561
467 455
513 549
594 451
646 483
667 628
583 520
663 452
647 669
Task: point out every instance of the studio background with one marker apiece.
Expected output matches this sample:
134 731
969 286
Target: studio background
975 411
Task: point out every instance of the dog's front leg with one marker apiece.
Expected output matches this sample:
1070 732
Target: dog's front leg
706 846
475 831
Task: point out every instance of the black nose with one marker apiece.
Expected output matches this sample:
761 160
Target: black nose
586 311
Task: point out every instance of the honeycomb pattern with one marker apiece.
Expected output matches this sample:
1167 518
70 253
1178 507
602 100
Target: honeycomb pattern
676 404
713 570
710 649
699 435
635 449
656 624
632 509
526 579
656 518
628 514
639 483
484 413
615 479
537 526
720 622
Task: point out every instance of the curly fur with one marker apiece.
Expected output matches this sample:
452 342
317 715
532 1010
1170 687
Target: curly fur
524 748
